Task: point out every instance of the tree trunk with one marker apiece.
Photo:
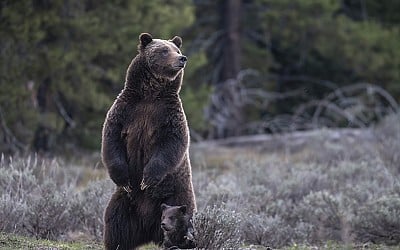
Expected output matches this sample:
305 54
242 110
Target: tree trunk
230 18
225 110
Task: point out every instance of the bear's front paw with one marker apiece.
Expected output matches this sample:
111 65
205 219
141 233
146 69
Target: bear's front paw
143 186
127 188
150 179
149 182
152 175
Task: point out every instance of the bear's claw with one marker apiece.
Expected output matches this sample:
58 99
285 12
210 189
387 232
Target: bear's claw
127 189
143 186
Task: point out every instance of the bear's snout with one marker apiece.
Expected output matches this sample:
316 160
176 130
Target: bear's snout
164 227
182 61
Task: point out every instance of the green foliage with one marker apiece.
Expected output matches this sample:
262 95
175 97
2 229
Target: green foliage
64 62
302 51
194 101
309 38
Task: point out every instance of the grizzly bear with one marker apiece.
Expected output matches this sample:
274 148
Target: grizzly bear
145 143
177 226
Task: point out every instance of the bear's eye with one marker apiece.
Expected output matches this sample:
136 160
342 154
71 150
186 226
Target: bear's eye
165 52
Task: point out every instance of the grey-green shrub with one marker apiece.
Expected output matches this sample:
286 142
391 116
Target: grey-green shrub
12 213
88 207
379 221
344 190
36 196
322 210
388 145
308 200
267 231
48 211
217 228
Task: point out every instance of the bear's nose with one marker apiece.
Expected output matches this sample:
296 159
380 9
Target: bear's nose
183 59
162 224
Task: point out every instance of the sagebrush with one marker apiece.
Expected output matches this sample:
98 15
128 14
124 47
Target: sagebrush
345 190
41 198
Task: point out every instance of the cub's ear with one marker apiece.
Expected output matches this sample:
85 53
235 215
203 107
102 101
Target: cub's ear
177 41
182 209
164 206
145 38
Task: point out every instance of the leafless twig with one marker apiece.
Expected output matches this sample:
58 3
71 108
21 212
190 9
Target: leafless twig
9 137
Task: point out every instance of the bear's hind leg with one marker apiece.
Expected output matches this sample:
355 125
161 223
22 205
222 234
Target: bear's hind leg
120 224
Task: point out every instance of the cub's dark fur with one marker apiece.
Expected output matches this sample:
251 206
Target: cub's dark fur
177 227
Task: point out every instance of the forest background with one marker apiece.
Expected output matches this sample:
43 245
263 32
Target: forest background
255 66
315 84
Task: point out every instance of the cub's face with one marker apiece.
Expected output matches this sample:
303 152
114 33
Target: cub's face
172 217
163 57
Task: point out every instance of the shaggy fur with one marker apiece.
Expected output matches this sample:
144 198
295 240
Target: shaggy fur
145 146
177 227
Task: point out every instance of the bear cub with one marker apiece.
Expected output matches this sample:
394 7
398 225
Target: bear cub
177 227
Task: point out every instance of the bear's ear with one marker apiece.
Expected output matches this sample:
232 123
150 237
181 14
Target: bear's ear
182 209
164 206
177 41
145 38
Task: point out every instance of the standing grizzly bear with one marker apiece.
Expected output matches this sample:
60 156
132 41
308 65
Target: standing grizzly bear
145 146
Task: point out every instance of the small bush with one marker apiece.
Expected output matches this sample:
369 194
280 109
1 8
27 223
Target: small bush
88 208
40 198
217 228
274 231
17 175
267 231
388 134
48 212
379 221
12 212
322 210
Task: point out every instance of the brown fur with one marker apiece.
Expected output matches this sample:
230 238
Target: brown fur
177 227
145 146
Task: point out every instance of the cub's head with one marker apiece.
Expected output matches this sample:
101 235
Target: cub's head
163 57
173 217
177 227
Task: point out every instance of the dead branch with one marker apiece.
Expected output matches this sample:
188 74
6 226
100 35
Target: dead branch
63 112
292 139
357 104
10 140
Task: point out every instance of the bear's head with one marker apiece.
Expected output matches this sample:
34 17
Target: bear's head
163 57
173 217
177 227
